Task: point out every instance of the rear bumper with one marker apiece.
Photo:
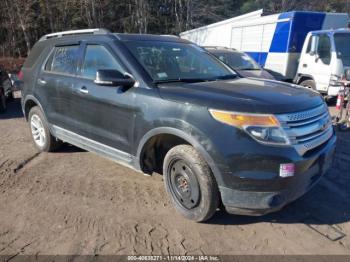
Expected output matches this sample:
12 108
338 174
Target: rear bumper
256 199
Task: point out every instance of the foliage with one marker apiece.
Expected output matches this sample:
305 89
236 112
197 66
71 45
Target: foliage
23 21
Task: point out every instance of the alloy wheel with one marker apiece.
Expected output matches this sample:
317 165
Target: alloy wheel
38 130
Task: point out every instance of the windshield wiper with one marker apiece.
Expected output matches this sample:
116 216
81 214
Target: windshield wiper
249 69
185 80
225 77
194 80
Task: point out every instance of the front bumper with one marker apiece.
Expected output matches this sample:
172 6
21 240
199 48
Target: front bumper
272 193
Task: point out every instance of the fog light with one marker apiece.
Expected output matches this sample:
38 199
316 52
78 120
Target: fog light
287 170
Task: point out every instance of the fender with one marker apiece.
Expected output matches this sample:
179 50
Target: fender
190 139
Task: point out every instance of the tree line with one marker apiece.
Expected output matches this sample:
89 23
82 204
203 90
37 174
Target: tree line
23 22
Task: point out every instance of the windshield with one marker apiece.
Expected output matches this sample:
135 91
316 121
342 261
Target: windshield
237 60
342 47
169 61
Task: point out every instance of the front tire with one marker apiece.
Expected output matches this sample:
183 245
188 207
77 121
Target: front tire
190 183
42 138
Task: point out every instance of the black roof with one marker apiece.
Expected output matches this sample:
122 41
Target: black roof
221 49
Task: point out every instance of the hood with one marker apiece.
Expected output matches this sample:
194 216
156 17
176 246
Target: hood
243 95
259 73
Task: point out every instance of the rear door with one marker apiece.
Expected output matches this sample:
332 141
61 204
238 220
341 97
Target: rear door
103 114
55 83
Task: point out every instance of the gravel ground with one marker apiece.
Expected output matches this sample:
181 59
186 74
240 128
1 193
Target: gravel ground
75 202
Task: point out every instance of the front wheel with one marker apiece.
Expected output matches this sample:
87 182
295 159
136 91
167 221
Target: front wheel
190 183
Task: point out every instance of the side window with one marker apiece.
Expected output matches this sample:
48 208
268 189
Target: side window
311 47
324 49
63 60
98 57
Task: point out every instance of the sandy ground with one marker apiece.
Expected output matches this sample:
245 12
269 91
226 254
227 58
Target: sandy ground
75 202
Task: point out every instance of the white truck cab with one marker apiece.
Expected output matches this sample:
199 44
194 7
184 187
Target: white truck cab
324 58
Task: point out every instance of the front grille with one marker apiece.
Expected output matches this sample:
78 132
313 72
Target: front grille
307 129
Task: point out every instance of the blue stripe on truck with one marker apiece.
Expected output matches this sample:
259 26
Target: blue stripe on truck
289 35
280 38
259 57
303 23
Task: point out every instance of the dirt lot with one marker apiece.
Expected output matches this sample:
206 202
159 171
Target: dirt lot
75 202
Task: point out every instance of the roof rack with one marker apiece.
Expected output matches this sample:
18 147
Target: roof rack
95 31
171 35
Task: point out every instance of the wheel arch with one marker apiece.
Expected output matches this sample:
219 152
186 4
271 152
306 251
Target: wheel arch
304 77
179 136
28 103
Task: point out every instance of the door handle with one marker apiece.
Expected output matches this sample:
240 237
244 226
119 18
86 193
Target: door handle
42 81
84 90
304 65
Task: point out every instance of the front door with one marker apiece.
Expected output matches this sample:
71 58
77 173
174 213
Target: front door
103 114
319 66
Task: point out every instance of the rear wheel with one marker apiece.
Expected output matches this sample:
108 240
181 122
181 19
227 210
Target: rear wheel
2 101
41 135
190 183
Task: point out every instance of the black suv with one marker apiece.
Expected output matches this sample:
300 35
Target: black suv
162 104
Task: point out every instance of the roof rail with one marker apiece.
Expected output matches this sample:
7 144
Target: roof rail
170 35
96 31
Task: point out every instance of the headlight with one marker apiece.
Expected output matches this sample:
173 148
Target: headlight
263 128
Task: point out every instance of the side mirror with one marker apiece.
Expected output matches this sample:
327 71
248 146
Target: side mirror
108 77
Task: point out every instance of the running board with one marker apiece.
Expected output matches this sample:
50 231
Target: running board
92 146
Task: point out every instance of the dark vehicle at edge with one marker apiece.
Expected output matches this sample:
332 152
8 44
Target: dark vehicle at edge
162 104
6 89
239 61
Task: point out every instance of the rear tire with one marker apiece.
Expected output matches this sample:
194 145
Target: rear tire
190 183
2 101
309 84
42 138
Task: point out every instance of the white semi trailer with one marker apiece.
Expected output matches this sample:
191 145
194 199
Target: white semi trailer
306 48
